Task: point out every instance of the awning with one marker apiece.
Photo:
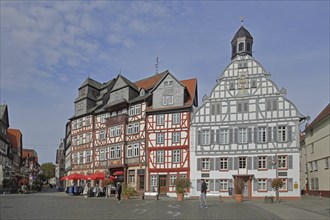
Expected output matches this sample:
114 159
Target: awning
117 173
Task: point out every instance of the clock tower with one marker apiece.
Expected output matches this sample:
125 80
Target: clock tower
241 43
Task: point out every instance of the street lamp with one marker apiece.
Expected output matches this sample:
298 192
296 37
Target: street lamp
275 163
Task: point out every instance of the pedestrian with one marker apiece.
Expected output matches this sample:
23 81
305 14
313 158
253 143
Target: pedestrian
202 197
96 190
86 190
118 191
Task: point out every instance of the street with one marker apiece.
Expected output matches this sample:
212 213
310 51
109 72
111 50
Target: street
58 205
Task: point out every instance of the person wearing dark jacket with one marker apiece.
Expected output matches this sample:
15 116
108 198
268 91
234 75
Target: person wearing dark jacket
119 189
202 197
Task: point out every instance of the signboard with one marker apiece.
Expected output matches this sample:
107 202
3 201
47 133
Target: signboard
295 185
282 173
141 172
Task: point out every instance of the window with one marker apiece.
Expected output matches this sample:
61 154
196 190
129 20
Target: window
242 162
231 86
131 176
176 137
223 163
102 154
160 138
224 138
137 109
130 129
262 135
81 157
242 107
240 46
112 132
271 104
282 162
262 162
103 118
253 83
311 168
112 152
102 134
205 163
74 125
136 149
315 166
118 152
159 119
129 151
131 111
88 137
262 184
326 161
153 181
242 135
168 100
75 158
282 135
205 137
176 118
118 130
134 110
285 185
176 156
160 156
136 128
88 156
223 185
80 123
172 180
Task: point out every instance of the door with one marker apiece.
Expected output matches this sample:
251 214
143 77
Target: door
141 183
162 185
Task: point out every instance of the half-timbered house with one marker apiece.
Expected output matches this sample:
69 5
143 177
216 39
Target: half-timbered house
246 128
168 127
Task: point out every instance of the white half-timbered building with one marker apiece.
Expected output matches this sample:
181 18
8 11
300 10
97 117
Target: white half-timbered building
246 128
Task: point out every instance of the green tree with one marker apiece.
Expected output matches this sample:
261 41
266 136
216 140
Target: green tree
48 170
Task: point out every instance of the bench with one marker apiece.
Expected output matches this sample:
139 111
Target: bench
150 195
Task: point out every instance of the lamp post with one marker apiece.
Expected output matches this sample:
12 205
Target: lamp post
275 163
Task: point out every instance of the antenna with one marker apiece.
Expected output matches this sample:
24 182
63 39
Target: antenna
156 65
242 20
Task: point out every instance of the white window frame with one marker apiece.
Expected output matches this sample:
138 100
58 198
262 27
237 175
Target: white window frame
262 162
136 149
160 155
103 154
242 135
176 118
118 151
262 184
88 156
206 139
223 185
129 151
224 136
160 138
112 152
81 157
176 137
103 134
282 161
176 156
242 162
285 185
167 100
282 134
262 135
205 163
112 132
160 120
172 179
118 130
223 163
153 180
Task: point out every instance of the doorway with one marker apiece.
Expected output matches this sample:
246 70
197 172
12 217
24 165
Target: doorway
162 185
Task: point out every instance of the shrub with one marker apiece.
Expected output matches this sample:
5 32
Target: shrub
128 191
181 185
107 182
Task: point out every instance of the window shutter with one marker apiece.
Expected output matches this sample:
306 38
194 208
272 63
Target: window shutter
212 109
270 162
255 135
217 137
249 163
212 136
255 185
290 184
199 137
275 134
246 106
239 107
217 185
198 185
268 105
236 135
290 161
249 135
290 133
217 163
218 109
230 163
211 185
269 134
269 184
255 163
199 164
231 131
235 163
211 163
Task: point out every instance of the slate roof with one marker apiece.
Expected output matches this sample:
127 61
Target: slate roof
91 82
4 114
242 32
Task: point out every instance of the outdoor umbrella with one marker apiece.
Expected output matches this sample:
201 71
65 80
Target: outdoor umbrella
95 176
74 176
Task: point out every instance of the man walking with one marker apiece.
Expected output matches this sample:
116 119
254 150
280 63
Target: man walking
119 189
202 197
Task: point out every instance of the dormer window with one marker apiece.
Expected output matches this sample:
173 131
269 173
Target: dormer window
248 46
142 92
168 100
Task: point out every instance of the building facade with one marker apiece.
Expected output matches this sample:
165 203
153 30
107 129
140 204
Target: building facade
246 129
59 164
5 163
107 134
315 156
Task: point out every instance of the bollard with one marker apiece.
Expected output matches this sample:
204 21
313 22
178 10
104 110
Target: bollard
320 195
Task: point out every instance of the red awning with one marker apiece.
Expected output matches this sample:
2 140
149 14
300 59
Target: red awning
117 173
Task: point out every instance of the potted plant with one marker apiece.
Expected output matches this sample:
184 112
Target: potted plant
277 183
128 191
181 186
239 188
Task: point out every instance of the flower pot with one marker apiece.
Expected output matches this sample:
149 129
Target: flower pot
180 197
239 197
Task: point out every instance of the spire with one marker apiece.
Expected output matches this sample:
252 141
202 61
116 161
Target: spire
241 42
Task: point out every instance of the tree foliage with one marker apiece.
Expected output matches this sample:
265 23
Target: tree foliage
48 170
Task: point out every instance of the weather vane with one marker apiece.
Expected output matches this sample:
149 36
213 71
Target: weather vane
156 65
242 20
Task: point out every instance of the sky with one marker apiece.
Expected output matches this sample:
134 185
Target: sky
48 49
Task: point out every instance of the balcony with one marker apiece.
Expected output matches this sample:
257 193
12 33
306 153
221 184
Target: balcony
119 119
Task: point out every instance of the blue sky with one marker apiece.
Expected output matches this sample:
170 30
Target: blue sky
48 48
